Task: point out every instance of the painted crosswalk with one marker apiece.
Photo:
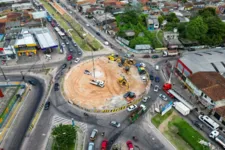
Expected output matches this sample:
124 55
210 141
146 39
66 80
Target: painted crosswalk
57 120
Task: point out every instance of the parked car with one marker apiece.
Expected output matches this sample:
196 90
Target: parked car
87 72
77 60
156 88
146 98
130 145
198 124
47 105
91 146
104 145
67 42
115 124
131 108
79 52
87 25
155 56
163 97
93 134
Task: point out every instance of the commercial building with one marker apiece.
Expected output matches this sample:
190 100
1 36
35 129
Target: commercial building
44 38
205 61
7 51
209 88
22 6
25 43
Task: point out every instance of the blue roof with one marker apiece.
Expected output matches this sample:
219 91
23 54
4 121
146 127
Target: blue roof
1 36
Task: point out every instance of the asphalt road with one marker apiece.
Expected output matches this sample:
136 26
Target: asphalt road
18 130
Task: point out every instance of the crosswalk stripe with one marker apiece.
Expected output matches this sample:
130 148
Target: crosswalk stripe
59 120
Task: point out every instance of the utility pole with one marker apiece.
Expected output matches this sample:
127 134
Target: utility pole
4 74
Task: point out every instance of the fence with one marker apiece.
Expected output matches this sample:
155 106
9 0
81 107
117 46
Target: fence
115 109
9 107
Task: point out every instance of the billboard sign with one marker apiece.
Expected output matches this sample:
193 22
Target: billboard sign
166 108
40 14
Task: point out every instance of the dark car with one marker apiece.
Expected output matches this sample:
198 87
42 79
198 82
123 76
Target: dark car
191 49
98 33
56 86
157 79
198 124
146 56
64 66
69 38
151 77
47 105
32 82
155 56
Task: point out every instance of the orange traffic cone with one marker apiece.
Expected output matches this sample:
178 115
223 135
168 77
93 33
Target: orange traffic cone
1 94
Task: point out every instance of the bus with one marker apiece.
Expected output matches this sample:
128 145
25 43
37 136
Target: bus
209 122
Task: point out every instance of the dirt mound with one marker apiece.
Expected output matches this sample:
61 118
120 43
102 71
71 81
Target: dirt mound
78 89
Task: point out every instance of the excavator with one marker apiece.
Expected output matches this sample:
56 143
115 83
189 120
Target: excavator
123 81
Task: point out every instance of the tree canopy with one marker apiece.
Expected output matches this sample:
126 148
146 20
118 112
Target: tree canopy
206 27
64 135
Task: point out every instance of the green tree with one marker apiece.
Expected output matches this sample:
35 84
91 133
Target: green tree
64 136
196 29
172 18
207 12
160 19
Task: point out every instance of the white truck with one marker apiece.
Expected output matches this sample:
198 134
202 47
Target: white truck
98 83
170 53
184 110
218 138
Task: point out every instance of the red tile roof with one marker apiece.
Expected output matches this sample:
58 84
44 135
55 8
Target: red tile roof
211 83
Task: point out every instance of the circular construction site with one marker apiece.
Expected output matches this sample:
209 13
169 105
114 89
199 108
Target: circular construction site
105 87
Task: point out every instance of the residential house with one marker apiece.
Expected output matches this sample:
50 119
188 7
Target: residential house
199 4
103 19
171 40
209 87
83 5
152 22
188 6
111 28
95 11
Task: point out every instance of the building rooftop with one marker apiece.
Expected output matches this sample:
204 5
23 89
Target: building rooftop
24 38
211 83
44 38
209 60
221 111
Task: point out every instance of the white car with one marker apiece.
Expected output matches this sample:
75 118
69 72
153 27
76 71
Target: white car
146 98
63 44
131 108
106 43
163 97
71 12
77 60
143 65
87 25
156 88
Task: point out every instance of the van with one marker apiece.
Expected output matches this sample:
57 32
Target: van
93 134
91 146
157 67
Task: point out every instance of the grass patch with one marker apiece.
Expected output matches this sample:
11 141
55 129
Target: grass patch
158 119
187 133
55 146
83 45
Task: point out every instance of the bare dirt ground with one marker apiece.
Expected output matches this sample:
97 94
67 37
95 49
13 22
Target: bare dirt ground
78 89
